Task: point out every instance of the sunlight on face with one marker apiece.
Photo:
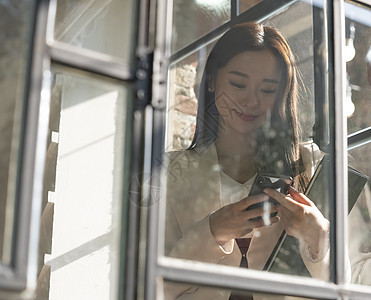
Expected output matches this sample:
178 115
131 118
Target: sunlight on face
246 90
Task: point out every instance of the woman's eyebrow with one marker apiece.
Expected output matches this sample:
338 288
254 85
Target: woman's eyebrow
271 80
244 75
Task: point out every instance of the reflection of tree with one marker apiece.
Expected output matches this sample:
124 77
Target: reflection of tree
358 77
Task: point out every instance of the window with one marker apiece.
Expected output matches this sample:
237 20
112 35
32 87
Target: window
133 132
196 187
357 55
66 151
19 175
86 195
185 267
92 108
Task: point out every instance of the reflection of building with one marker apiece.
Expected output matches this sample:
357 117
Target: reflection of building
357 70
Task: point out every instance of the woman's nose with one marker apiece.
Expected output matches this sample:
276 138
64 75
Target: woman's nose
251 98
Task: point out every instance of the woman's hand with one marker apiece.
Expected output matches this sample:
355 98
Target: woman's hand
302 219
234 221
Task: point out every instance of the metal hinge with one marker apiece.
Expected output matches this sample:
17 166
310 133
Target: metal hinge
143 77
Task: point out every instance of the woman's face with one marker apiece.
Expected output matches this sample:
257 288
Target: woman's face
246 89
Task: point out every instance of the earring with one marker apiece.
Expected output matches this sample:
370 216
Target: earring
210 84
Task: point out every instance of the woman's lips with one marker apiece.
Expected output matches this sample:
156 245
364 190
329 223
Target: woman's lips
246 117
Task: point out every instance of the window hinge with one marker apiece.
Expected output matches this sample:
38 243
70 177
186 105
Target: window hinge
143 77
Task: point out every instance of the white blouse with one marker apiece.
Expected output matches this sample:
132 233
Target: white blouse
232 191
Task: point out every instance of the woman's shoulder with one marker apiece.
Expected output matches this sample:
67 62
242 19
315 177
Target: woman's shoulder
188 162
192 155
179 156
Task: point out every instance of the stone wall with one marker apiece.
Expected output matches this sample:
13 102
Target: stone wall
182 106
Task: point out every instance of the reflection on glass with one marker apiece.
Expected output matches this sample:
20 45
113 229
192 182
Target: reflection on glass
245 5
194 19
185 77
88 190
358 108
359 241
299 34
190 292
15 31
358 57
102 26
241 132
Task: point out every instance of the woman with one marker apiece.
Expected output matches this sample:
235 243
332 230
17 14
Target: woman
247 123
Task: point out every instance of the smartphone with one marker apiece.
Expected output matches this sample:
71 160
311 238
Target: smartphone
262 181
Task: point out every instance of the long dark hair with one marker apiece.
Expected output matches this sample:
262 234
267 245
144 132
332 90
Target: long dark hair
279 144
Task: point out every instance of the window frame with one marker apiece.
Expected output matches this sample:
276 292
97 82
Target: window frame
137 72
147 145
20 278
112 67
20 274
160 268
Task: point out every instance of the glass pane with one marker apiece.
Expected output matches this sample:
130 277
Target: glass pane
15 31
102 26
193 19
88 193
358 108
358 57
184 78
359 240
299 34
245 5
207 292
232 118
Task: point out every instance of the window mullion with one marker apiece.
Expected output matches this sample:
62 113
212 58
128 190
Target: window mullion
33 157
89 60
341 161
234 8
359 138
367 2
233 278
156 117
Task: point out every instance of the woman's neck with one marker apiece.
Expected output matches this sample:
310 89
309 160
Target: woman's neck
237 155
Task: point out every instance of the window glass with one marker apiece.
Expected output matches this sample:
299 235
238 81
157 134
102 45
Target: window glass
220 293
245 5
358 58
358 108
15 31
185 77
88 189
232 110
299 34
193 19
102 26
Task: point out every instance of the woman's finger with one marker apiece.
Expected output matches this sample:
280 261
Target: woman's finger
287 202
261 223
301 198
246 202
260 211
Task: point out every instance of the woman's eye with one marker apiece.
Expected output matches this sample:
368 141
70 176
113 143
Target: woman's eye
268 91
237 85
